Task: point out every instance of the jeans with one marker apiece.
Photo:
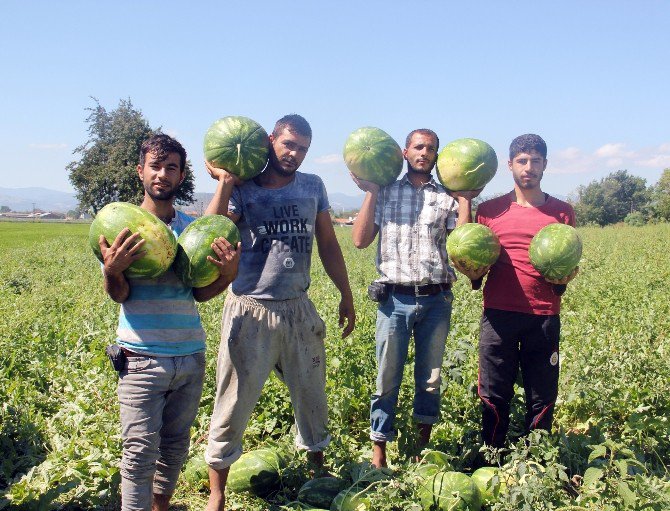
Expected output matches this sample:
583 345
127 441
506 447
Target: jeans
427 318
158 398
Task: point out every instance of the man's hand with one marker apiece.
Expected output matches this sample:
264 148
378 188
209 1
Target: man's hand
466 194
228 258
122 253
219 174
347 313
366 186
471 273
564 280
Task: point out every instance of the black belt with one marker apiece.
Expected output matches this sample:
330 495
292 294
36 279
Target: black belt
425 290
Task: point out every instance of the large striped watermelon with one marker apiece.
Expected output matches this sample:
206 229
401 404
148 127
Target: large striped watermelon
160 243
473 246
555 251
196 472
466 164
450 491
258 472
371 154
237 144
191 264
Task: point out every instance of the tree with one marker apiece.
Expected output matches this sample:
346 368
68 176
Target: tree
661 196
107 169
609 200
5 209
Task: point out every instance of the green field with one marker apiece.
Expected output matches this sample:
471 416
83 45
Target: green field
59 431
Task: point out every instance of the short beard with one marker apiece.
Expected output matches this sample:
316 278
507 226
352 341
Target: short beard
422 172
164 195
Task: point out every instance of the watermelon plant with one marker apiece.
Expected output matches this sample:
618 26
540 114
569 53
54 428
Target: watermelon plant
160 244
466 164
372 154
191 264
473 246
555 251
488 482
237 144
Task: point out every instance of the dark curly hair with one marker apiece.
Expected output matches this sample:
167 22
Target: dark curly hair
295 123
423 131
527 143
162 145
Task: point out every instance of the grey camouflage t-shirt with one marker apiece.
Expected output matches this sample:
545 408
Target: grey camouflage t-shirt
277 231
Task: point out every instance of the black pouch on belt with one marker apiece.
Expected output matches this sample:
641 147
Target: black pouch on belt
378 292
116 356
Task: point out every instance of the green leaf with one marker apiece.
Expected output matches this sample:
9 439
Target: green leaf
592 475
599 451
627 495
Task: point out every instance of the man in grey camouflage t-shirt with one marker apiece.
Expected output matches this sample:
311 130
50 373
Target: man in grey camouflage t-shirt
268 320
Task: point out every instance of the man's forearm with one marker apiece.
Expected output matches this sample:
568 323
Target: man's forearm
203 294
363 232
219 203
116 286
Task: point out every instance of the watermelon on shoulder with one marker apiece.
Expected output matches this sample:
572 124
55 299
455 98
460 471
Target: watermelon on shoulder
466 164
191 264
371 154
160 244
237 144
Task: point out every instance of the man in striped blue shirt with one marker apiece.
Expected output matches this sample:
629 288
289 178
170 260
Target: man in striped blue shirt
161 336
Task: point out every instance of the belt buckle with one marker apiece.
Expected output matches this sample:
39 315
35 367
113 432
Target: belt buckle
417 293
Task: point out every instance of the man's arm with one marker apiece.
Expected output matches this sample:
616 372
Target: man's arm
333 262
464 199
219 203
116 258
227 262
365 230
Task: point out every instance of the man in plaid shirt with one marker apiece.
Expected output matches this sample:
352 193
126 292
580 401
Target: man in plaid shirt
413 217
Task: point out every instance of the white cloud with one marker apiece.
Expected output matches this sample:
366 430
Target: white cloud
613 155
48 147
329 158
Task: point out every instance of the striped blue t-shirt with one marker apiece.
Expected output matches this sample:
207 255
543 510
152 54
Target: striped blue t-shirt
160 317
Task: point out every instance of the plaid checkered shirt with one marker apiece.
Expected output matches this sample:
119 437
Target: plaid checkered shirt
413 224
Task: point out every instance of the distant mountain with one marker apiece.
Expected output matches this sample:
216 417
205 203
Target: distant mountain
27 199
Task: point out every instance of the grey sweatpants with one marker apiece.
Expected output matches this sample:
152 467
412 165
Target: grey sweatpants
258 336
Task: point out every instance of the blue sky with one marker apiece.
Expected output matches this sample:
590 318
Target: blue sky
590 77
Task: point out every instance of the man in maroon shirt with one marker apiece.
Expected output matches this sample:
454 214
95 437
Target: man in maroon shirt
520 325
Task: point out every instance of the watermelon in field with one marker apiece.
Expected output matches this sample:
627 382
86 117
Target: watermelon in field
239 145
555 251
353 498
450 491
160 244
191 264
473 246
488 487
257 472
196 472
466 164
320 492
371 154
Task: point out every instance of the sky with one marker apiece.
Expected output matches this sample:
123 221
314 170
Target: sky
590 77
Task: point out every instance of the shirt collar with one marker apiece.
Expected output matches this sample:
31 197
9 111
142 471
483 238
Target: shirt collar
432 183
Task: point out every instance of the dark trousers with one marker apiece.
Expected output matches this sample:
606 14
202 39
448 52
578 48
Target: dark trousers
509 341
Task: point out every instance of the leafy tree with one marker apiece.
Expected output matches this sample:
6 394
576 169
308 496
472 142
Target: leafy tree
5 209
106 171
661 196
609 200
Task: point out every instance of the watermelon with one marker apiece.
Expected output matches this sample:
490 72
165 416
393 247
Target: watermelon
433 462
352 499
472 246
488 488
257 472
466 164
160 244
555 251
196 472
237 144
371 154
452 491
191 264
320 492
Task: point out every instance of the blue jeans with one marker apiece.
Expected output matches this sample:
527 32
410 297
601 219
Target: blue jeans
158 398
427 318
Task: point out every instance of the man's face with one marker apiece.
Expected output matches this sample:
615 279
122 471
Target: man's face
421 153
161 178
288 150
527 169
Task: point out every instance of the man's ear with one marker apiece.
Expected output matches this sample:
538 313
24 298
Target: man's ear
140 172
404 153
